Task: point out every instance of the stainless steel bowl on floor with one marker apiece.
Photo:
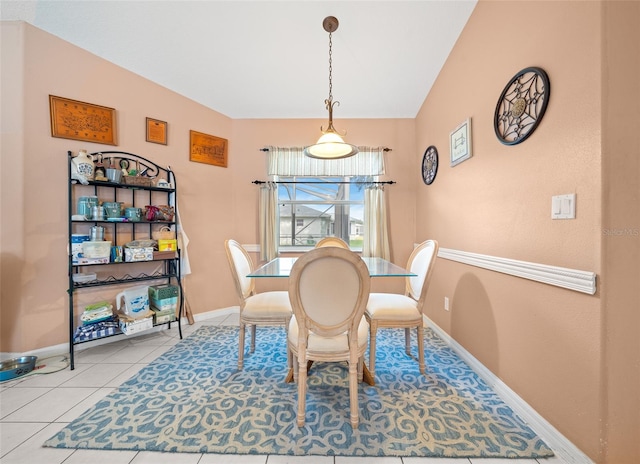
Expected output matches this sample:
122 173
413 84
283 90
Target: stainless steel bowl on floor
17 367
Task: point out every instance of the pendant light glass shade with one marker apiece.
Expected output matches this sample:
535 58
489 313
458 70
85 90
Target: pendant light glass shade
330 145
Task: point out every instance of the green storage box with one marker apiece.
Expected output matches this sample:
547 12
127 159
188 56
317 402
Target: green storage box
165 303
162 317
161 292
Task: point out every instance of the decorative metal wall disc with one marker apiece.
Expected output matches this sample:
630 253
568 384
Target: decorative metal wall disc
521 106
430 165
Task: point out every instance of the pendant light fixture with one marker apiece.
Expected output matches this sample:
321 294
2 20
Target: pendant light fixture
330 145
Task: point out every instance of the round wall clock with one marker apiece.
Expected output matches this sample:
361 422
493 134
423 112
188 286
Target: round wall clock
430 165
521 106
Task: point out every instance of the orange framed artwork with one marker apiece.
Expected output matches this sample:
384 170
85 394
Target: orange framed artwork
76 120
156 131
208 149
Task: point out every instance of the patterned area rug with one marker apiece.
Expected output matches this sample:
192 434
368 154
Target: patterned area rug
193 399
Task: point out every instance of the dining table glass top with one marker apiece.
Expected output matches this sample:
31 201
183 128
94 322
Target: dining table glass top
378 267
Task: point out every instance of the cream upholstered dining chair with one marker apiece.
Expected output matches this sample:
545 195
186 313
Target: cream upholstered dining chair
266 308
328 288
332 241
386 310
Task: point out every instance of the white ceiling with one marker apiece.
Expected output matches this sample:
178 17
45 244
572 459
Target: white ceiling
267 59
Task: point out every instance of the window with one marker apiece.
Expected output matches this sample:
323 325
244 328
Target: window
311 208
306 199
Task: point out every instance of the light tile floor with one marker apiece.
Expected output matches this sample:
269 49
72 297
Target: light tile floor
35 407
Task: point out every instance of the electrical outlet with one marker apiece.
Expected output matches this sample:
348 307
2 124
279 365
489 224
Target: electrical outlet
446 303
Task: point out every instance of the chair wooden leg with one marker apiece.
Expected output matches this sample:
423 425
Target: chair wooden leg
373 329
241 346
360 369
302 389
353 393
421 349
407 341
294 358
253 338
289 352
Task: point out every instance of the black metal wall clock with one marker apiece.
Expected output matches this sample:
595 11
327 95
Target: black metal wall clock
430 165
521 106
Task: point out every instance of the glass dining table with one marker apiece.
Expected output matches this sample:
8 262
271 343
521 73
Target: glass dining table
378 267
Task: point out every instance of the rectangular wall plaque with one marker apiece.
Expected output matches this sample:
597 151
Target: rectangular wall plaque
156 131
76 120
209 149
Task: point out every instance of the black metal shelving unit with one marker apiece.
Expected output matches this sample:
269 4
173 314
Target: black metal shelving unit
169 264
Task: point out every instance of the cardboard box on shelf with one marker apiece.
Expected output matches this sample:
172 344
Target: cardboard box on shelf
159 292
96 249
132 326
89 261
167 245
162 317
138 254
165 303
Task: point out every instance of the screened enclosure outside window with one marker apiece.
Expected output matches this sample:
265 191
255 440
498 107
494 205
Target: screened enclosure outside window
311 208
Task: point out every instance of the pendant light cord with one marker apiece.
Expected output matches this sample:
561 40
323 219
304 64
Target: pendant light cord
330 70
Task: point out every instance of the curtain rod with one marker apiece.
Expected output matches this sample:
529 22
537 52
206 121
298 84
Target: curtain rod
388 182
266 149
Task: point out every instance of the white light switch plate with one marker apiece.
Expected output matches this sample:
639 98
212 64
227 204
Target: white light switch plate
563 206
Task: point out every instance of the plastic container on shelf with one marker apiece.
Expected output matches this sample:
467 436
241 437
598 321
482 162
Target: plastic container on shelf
96 249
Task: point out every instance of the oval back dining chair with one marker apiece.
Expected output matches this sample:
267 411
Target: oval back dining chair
329 288
390 310
266 308
332 241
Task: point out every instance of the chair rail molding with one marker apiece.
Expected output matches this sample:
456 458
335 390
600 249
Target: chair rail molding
572 279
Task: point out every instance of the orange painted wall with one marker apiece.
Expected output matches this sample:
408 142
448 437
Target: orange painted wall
573 357
548 344
621 231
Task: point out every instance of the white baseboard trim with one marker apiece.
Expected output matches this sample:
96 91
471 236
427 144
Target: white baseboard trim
573 279
201 317
560 445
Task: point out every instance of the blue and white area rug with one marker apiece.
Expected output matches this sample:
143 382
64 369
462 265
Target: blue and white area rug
193 399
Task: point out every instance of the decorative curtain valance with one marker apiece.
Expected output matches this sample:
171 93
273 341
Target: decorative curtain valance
292 162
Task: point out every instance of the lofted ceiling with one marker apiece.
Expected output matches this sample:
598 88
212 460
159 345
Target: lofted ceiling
267 59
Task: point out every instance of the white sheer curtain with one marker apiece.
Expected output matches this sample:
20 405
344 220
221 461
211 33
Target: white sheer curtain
268 221
376 232
288 162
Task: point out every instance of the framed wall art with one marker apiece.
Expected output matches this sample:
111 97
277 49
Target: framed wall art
460 143
209 149
76 120
156 131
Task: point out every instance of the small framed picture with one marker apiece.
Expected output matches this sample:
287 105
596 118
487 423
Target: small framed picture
156 131
460 143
